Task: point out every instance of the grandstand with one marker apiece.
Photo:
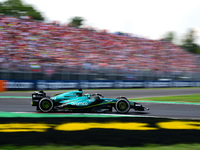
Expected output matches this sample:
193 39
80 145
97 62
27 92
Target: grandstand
50 51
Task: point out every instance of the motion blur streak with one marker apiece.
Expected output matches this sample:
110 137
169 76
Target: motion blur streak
23 127
180 125
120 126
79 126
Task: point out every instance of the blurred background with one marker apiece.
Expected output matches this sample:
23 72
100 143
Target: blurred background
33 47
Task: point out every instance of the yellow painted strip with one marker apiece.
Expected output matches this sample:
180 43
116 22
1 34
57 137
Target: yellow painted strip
184 125
24 127
22 130
77 126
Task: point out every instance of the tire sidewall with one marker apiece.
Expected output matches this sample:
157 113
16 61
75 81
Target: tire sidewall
124 101
40 105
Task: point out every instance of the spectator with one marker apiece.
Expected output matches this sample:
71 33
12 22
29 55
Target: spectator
25 42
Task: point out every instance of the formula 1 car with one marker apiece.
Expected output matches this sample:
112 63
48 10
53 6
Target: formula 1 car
75 101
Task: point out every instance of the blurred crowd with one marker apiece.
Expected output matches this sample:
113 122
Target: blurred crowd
31 45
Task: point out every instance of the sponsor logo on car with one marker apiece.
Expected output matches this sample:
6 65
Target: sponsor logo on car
79 104
53 98
92 100
109 100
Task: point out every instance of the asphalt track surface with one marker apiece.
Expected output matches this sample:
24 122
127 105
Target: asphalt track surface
181 111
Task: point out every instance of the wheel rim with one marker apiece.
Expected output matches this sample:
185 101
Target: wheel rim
46 105
122 106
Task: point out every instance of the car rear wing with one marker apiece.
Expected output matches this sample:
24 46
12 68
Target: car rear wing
37 96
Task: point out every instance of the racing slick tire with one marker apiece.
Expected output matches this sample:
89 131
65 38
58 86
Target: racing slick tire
45 105
122 106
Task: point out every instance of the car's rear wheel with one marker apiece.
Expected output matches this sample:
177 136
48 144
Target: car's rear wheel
45 105
122 106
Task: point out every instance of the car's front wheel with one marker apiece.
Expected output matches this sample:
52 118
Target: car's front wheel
45 105
122 106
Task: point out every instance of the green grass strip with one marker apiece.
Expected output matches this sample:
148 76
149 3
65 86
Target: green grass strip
182 99
51 115
164 102
94 147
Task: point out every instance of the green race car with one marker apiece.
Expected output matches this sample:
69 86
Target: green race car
75 101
